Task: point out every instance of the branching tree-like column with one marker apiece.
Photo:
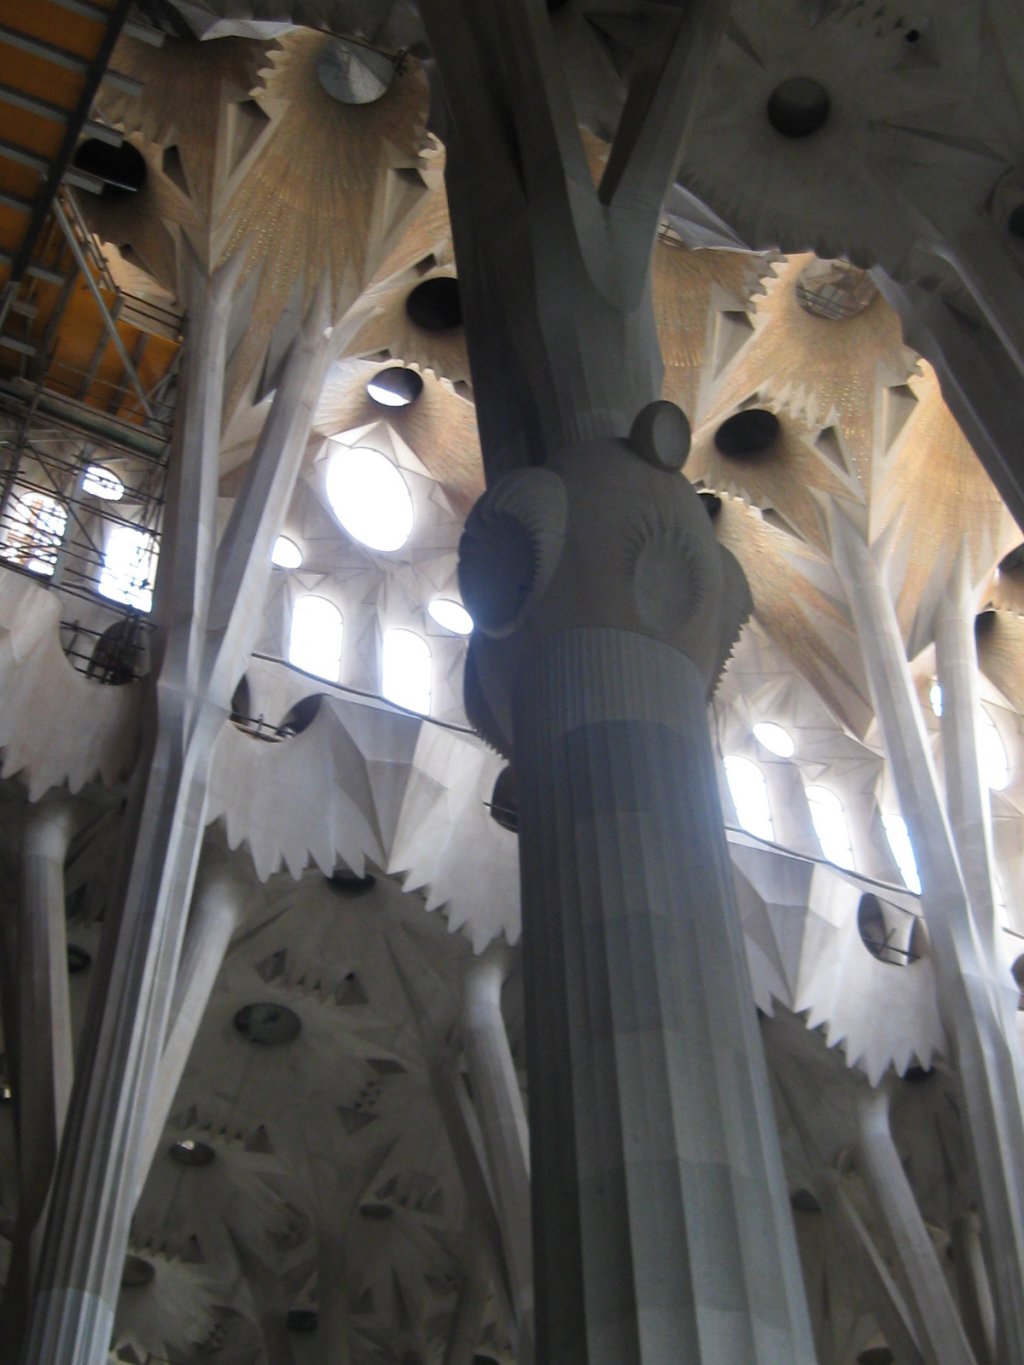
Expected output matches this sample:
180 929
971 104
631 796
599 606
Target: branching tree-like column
207 605
971 994
604 609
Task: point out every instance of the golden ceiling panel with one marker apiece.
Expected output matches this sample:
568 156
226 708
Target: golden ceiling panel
685 284
932 497
785 477
318 202
797 615
1001 655
825 370
439 426
188 88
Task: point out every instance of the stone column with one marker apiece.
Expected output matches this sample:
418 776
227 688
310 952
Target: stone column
41 1046
973 1289
939 1329
967 798
217 910
499 1105
662 1226
870 1270
969 995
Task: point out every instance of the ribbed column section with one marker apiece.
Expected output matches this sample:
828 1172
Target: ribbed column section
662 1227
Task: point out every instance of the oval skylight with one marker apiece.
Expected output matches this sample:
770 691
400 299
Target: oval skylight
101 483
451 615
369 497
286 554
774 738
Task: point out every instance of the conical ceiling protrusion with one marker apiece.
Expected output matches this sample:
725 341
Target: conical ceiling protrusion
620 36
829 445
898 404
732 331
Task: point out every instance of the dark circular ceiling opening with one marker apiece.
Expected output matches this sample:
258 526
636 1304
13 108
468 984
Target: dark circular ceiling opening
505 802
747 435
137 1272
353 73
349 883
805 1202
302 1320
78 959
268 1024
798 107
188 1152
122 169
1015 222
435 305
395 387
376 1212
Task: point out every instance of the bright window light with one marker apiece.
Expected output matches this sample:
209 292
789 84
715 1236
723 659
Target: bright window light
935 697
902 850
829 820
314 643
101 483
369 497
451 615
407 670
286 554
995 764
34 530
774 738
129 567
750 796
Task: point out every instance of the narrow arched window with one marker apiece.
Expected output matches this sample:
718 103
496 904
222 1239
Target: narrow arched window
34 530
902 849
129 566
314 643
829 820
749 793
406 679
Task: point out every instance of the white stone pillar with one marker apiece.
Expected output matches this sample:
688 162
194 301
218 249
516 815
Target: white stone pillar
969 996
662 1225
218 907
41 1047
973 1289
939 1329
499 1105
869 1268
967 798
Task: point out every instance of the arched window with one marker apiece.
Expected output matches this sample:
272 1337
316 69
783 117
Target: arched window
902 850
129 567
750 796
34 530
829 820
994 761
314 644
406 679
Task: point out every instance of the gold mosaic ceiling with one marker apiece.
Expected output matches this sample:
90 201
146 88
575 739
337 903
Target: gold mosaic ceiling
248 153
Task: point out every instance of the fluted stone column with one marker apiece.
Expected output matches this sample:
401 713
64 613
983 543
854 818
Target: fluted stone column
499 1106
662 1229
662 1221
